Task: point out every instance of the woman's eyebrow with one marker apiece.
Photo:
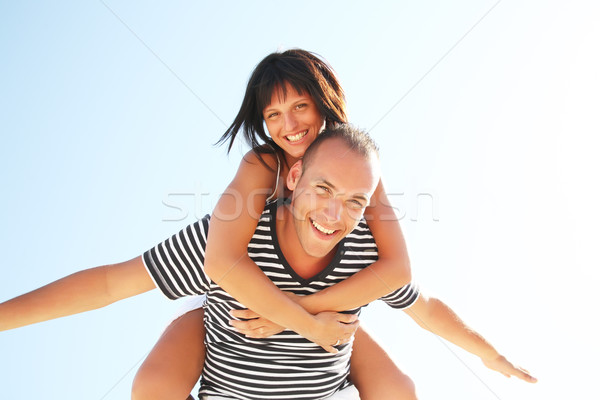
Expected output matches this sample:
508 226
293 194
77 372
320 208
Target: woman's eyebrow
302 98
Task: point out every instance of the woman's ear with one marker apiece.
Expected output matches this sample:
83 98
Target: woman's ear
294 175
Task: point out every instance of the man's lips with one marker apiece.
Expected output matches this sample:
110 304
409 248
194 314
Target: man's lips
322 229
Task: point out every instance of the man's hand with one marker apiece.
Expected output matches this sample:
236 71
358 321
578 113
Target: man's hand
332 330
506 368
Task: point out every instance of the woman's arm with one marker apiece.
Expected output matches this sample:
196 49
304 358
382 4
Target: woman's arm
227 263
82 291
390 272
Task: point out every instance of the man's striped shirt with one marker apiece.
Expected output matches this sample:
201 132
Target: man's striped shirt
283 366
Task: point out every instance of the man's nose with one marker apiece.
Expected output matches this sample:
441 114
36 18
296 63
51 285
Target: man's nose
290 121
333 211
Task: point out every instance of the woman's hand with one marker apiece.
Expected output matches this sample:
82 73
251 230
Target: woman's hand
254 326
332 329
337 328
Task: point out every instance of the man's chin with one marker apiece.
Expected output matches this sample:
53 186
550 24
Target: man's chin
319 252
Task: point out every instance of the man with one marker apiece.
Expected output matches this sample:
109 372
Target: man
311 243
302 247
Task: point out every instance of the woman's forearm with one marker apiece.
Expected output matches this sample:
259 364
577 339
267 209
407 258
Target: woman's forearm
248 284
373 282
251 287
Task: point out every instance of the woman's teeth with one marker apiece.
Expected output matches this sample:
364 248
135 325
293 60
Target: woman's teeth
295 138
321 229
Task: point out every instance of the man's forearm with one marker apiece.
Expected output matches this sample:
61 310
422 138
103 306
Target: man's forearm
441 320
82 291
79 292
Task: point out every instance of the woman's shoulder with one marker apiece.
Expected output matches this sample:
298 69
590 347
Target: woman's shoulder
257 169
263 170
263 156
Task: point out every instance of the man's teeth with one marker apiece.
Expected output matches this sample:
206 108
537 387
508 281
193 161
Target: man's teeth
295 138
321 229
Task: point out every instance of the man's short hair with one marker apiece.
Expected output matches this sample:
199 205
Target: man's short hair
357 140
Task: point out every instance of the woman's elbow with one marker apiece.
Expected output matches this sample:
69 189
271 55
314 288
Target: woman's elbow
400 273
217 265
212 267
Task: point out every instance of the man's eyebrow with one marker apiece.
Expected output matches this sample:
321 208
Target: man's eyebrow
361 197
326 182
358 196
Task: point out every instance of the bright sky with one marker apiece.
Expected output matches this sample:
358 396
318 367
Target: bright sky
485 112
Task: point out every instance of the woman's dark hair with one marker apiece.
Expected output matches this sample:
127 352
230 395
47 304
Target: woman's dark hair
305 72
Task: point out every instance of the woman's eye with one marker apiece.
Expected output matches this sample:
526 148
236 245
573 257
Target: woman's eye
272 115
301 106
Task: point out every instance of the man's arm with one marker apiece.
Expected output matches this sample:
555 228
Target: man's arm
82 291
435 316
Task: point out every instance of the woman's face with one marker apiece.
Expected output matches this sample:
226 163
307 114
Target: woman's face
293 122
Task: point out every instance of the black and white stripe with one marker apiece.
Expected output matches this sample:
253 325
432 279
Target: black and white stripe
284 366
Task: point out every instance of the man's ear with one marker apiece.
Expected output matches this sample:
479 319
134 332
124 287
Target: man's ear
294 175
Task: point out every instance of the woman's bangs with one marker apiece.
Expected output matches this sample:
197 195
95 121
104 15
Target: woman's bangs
277 82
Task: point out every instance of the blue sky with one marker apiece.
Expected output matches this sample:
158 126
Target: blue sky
485 112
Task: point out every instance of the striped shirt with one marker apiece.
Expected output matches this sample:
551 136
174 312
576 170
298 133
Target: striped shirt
285 365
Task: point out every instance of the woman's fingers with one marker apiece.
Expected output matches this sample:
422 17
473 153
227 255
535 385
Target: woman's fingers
253 325
347 318
245 314
342 327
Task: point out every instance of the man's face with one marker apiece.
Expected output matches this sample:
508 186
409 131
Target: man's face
330 196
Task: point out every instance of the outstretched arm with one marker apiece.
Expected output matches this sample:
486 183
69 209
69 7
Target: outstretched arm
435 316
389 273
82 291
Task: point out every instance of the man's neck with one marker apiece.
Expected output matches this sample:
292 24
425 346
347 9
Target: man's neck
302 263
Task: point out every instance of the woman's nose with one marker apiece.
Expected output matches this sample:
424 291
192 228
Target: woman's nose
290 122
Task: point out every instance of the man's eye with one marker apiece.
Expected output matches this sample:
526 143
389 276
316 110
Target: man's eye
356 204
323 189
